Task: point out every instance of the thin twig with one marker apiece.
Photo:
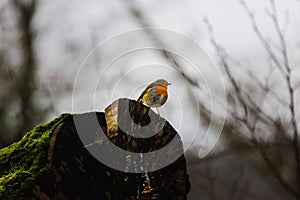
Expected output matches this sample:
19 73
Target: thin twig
262 38
287 66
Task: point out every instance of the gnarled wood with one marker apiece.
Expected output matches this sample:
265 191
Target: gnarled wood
72 172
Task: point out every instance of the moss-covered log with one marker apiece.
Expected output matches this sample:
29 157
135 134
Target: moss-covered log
58 160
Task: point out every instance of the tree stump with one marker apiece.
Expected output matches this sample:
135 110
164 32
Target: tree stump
128 152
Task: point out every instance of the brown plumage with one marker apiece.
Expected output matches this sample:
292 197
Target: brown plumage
155 94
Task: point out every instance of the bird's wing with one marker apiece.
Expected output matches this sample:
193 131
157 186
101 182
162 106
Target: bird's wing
144 92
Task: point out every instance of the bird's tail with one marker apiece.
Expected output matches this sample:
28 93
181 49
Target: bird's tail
140 99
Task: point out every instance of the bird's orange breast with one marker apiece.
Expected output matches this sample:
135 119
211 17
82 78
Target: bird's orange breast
162 90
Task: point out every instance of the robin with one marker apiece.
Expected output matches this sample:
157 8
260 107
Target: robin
155 94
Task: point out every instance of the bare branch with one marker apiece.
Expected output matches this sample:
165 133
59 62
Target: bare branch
284 68
262 38
168 56
289 84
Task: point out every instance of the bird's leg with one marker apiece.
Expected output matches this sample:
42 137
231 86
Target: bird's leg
157 111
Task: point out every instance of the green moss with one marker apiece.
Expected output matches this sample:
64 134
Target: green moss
23 162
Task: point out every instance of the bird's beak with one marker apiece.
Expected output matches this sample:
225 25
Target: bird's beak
169 84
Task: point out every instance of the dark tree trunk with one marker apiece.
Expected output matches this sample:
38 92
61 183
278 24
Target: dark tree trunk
60 160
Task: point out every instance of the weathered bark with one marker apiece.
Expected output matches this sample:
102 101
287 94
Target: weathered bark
58 160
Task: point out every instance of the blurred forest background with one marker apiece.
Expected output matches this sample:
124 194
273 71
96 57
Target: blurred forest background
254 44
